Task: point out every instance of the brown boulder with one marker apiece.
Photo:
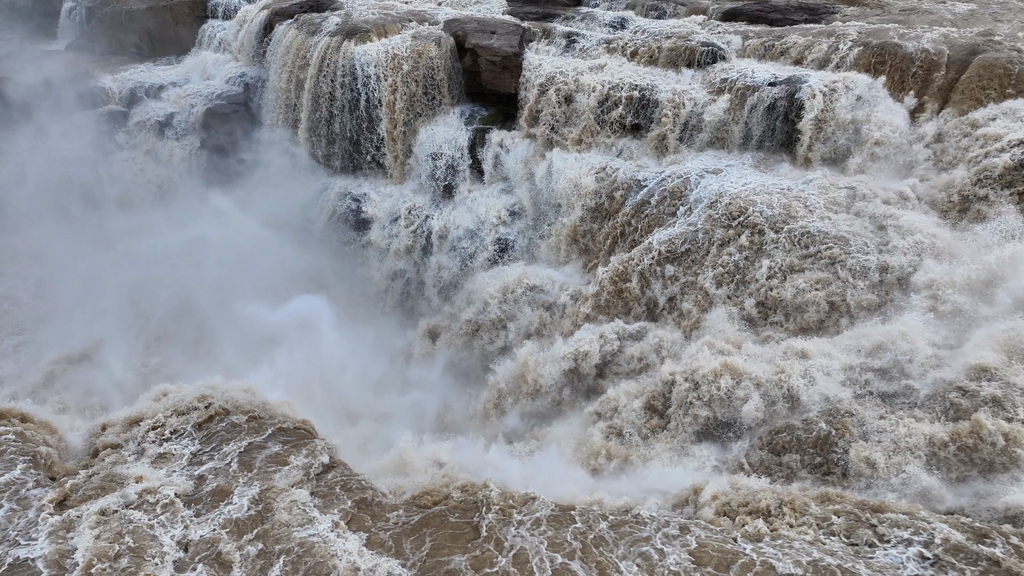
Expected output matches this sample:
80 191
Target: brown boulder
991 78
141 28
491 54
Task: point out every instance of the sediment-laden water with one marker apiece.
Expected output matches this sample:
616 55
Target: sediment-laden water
701 297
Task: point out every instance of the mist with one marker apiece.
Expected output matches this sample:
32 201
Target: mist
130 264
124 268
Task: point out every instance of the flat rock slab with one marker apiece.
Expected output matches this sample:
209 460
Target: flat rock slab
545 3
778 14
541 10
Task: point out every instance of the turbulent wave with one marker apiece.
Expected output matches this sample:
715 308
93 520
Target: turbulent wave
703 297
218 481
820 119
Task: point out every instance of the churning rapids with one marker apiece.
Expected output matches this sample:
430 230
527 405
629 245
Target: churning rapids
456 287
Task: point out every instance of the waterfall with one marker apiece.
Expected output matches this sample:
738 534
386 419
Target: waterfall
486 287
355 92
819 118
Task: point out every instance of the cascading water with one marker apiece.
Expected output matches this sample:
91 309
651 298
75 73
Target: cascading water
699 297
354 90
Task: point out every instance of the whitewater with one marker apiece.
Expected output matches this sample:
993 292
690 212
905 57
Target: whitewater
691 296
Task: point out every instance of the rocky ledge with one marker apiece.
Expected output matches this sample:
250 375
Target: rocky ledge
491 54
779 14
140 28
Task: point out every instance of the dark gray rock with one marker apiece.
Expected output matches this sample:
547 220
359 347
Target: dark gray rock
547 3
227 129
536 13
541 10
779 13
707 54
483 123
113 117
491 53
351 215
141 28
776 110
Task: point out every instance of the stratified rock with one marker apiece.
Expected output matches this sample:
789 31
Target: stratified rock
939 69
991 78
536 13
491 54
284 10
141 28
547 3
36 15
770 13
541 10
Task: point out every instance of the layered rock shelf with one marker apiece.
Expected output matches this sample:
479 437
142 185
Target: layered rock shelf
141 28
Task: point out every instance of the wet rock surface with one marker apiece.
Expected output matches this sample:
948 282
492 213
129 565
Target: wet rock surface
491 53
283 10
540 11
991 78
227 127
550 4
141 28
779 14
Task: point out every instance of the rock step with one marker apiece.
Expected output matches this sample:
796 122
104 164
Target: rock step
779 14
141 28
491 54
